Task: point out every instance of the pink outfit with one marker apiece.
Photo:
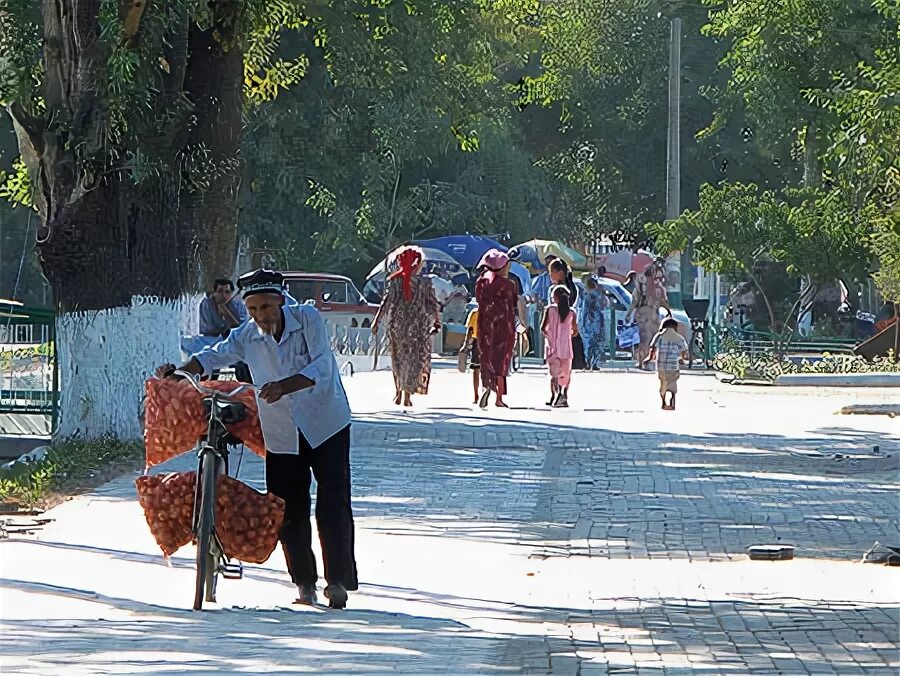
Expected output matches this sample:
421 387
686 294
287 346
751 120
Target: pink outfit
558 345
560 370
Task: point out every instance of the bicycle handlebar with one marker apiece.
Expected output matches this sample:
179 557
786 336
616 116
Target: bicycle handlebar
195 383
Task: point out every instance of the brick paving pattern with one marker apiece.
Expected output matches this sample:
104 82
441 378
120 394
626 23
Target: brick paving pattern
575 543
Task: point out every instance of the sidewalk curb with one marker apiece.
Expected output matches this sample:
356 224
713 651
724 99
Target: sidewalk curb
890 410
839 380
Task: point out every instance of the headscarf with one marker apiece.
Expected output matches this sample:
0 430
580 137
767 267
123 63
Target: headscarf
407 262
494 260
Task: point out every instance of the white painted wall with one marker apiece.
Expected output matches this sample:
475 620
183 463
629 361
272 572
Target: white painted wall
105 357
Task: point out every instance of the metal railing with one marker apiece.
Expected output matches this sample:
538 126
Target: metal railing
784 344
29 378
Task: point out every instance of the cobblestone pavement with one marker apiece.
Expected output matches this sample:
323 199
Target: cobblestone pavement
608 538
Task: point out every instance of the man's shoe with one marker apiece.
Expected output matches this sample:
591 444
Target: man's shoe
336 595
306 595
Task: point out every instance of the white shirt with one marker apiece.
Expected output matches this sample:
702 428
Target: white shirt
320 411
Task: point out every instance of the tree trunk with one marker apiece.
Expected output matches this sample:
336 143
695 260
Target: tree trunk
896 331
808 291
773 322
812 176
211 158
118 290
108 241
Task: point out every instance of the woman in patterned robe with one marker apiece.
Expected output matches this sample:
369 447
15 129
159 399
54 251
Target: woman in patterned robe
412 313
649 296
498 304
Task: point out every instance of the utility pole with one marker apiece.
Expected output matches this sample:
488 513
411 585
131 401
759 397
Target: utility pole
673 161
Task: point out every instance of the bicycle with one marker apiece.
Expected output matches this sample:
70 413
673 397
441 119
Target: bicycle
697 346
212 460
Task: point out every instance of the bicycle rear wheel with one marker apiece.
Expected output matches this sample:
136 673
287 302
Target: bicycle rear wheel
206 560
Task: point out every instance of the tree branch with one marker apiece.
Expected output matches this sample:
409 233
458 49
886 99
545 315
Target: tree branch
32 146
33 127
132 22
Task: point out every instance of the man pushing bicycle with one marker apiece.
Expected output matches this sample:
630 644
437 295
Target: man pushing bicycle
305 420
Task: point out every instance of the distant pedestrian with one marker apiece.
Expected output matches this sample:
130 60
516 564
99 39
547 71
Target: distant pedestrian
561 273
413 314
471 345
558 328
592 321
540 290
669 348
649 296
540 287
498 303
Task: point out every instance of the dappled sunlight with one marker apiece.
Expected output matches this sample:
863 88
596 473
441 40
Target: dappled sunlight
774 476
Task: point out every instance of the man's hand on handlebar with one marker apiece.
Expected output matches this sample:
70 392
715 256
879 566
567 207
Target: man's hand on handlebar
168 370
165 371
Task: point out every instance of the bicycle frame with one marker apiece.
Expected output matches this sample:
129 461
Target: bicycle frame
212 456
211 444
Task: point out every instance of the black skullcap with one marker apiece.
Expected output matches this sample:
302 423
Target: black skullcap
261 281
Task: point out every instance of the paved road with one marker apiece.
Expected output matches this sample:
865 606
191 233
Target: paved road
607 538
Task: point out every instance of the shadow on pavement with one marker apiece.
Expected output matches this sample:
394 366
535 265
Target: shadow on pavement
790 636
635 494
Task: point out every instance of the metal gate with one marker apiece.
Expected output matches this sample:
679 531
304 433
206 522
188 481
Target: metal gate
29 380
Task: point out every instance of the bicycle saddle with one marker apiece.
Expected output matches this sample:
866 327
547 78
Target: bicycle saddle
229 412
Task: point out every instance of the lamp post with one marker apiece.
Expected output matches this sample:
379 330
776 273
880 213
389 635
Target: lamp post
673 161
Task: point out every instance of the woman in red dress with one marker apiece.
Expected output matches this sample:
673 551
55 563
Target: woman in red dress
497 301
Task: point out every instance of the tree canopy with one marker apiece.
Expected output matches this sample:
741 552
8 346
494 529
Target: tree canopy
333 129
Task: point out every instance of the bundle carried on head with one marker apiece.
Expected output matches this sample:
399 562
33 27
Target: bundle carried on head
408 261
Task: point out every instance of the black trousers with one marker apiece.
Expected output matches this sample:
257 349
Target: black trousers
289 477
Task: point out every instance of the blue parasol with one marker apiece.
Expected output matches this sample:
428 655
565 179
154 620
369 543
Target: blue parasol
528 257
523 275
466 249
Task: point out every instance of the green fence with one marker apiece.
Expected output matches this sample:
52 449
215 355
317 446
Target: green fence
787 344
29 379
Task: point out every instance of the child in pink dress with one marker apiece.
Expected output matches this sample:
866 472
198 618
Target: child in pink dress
559 326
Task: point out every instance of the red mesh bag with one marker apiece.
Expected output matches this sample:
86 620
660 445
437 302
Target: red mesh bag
168 502
174 419
247 522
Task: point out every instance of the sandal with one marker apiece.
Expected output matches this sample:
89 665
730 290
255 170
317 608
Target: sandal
306 595
483 403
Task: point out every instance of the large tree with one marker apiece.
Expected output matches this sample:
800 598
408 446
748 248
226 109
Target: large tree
863 150
128 116
128 119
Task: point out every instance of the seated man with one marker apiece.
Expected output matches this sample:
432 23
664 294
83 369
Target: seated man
220 312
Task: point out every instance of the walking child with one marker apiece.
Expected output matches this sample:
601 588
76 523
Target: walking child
669 348
471 344
558 327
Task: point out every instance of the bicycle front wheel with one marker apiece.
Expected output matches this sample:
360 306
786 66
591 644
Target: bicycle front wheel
206 560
